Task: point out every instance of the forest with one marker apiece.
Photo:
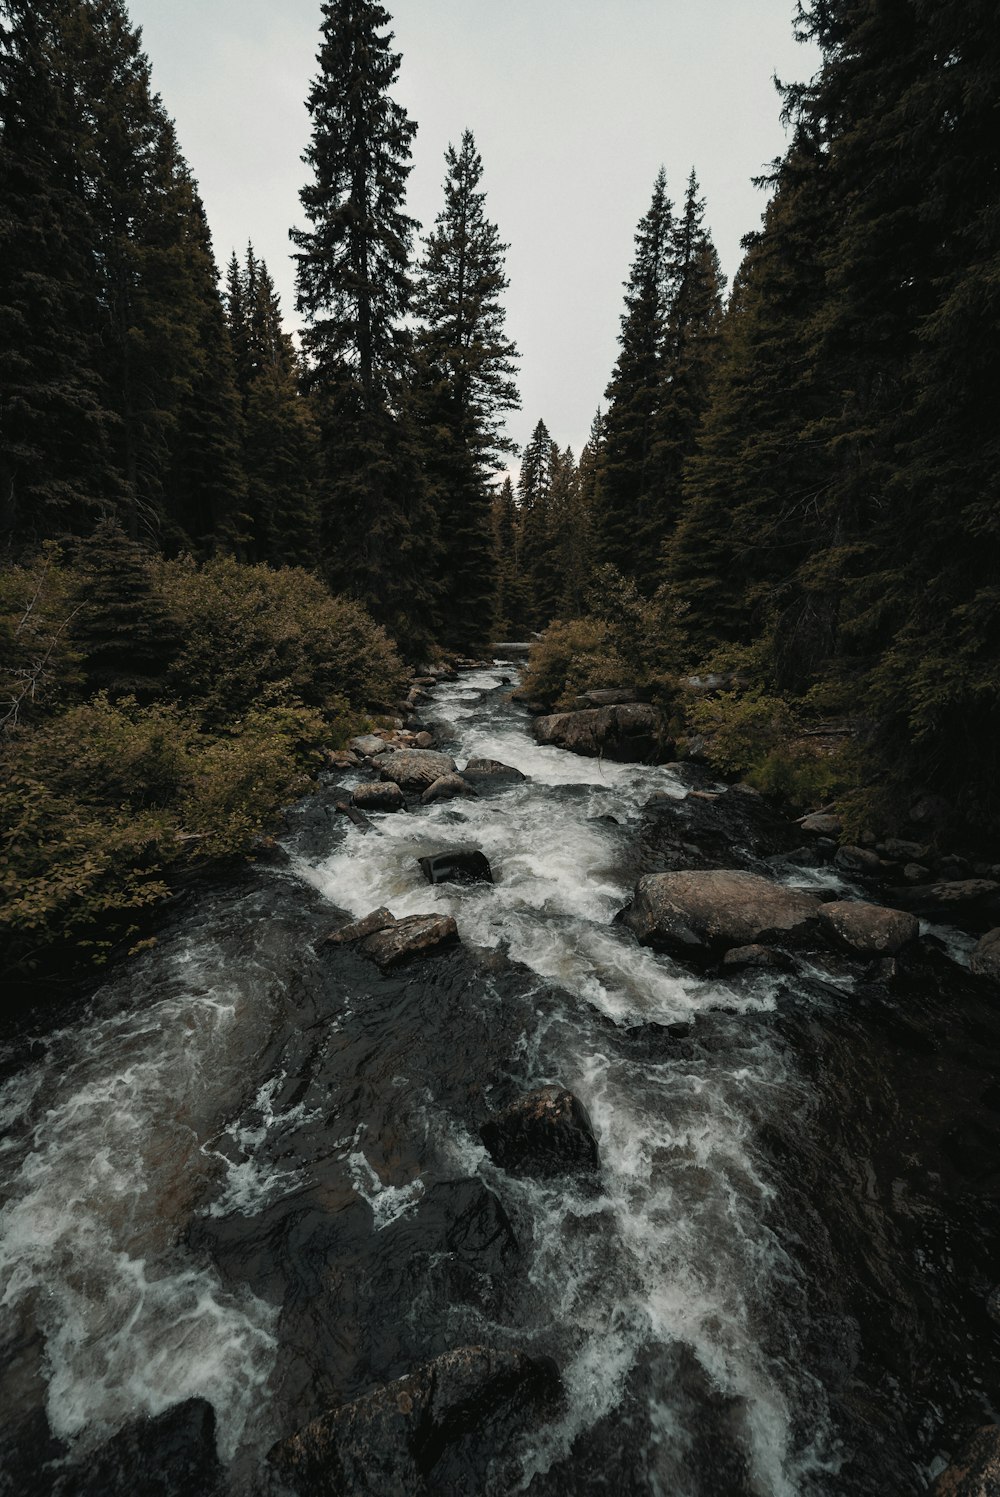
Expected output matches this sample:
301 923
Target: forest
792 486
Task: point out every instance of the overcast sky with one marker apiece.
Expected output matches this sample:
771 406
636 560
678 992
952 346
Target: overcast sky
574 105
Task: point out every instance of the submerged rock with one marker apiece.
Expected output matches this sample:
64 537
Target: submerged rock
387 1443
379 919
164 1455
446 788
985 960
417 769
741 958
630 731
545 1132
415 935
975 1471
379 795
458 867
708 911
868 929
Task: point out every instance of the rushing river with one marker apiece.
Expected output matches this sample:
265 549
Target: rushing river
252 1171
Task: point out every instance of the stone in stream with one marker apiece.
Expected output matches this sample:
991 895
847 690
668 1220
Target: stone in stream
368 745
973 903
545 1132
975 1471
763 958
379 795
460 866
415 935
702 912
857 860
867 929
356 930
388 1442
628 732
447 788
985 960
821 824
416 769
163 1455
490 769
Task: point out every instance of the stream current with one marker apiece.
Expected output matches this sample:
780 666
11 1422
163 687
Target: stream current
251 1171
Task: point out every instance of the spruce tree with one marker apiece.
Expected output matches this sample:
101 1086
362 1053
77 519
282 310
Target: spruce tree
537 565
631 479
121 624
465 367
511 606
354 293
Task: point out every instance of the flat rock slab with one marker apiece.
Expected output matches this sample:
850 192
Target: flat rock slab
868 929
379 795
623 733
760 958
368 745
985 960
460 866
490 769
713 911
386 1443
413 936
970 902
417 769
447 788
975 1471
356 930
546 1132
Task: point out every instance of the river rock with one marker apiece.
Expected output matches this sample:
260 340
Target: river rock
973 903
415 935
368 745
868 929
356 930
985 960
163 1455
460 866
975 1471
424 739
417 769
712 911
857 860
490 769
898 851
821 824
387 1443
378 795
605 696
627 732
447 788
545 1132
764 958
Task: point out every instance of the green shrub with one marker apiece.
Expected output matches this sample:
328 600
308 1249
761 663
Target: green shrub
569 658
744 728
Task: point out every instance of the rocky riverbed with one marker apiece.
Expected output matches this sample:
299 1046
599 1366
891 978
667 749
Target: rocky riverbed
541 1123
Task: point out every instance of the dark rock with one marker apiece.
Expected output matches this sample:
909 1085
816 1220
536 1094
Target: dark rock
857 860
973 903
898 851
387 1443
368 745
424 740
975 1471
916 873
734 831
985 960
820 824
742 957
377 795
867 929
545 1132
164 1455
359 818
342 759
379 919
712 911
623 733
930 811
607 696
447 788
416 769
416 935
952 867
458 867
490 769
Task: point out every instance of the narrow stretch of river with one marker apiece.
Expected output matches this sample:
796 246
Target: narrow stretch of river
237 1172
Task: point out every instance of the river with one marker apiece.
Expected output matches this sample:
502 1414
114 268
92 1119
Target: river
251 1171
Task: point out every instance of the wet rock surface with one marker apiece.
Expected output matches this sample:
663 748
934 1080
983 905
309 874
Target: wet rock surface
713 911
379 796
458 866
546 1132
975 1471
416 769
868 929
446 788
985 959
167 1455
630 731
413 936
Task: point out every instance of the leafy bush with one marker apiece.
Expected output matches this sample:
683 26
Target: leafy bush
39 661
570 658
743 728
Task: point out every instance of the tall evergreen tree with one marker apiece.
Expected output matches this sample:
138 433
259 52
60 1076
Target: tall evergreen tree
465 384
511 607
354 292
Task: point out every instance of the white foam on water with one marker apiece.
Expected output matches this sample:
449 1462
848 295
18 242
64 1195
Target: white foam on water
254 1181
387 1202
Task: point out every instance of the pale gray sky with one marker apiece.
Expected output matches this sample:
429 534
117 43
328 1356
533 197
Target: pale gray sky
574 105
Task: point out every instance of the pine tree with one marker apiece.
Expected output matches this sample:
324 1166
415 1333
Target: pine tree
465 383
537 564
631 477
121 625
56 466
511 607
354 292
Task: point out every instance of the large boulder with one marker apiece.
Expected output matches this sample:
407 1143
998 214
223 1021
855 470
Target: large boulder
821 824
356 930
387 1443
478 770
975 1471
868 929
973 903
707 912
459 866
163 1455
446 788
416 769
413 936
379 795
985 960
629 731
545 1132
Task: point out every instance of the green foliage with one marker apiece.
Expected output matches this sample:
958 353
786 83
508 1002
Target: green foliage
569 658
39 660
744 728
